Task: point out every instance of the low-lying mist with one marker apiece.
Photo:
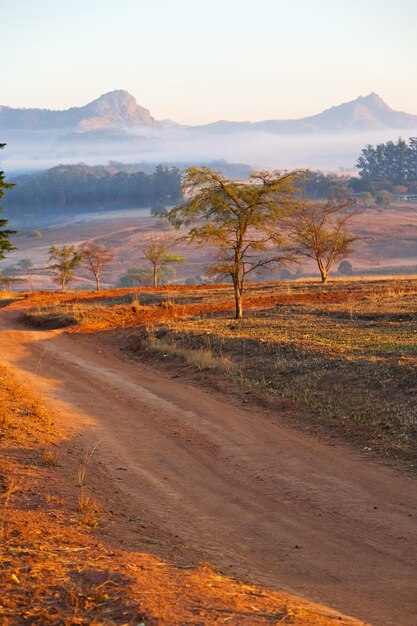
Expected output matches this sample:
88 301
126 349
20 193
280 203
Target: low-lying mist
29 152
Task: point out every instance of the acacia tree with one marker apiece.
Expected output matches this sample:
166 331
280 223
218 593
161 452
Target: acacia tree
239 219
143 277
319 230
66 260
5 233
157 252
97 256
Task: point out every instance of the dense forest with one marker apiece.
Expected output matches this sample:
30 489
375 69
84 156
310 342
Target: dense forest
392 163
65 188
385 171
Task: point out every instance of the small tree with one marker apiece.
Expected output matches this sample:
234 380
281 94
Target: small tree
9 281
5 234
143 276
239 219
319 230
345 268
156 251
383 198
66 260
96 257
25 264
367 199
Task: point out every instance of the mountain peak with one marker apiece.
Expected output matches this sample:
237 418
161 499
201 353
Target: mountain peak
374 102
363 114
116 96
114 109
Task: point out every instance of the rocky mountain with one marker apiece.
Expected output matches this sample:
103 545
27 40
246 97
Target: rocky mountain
113 110
118 110
364 113
367 113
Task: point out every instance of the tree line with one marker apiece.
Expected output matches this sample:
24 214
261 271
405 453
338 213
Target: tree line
81 186
392 163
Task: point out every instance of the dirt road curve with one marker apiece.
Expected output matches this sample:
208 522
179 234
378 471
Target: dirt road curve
278 506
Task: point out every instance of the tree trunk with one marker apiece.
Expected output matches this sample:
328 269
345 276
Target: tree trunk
238 303
97 283
324 270
155 276
324 276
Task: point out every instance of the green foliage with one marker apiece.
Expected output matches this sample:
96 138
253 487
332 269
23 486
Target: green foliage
166 185
67 187
367 198
345 268
25 264
156 251
143 277
394 162
383 198
63 261
316 184
5 233
239 220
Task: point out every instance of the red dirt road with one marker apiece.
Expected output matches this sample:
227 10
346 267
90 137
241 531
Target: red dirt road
272 505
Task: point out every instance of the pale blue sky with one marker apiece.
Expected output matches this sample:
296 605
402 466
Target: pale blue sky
196 62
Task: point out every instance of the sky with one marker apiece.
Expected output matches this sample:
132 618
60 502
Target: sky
197 61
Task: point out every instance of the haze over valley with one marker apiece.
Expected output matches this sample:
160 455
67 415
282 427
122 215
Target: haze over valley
116 127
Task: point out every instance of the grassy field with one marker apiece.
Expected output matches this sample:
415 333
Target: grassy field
344 355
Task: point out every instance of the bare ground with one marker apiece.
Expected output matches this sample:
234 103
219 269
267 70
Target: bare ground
230 484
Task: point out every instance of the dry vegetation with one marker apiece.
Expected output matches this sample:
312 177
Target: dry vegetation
55 567
350 359
346 354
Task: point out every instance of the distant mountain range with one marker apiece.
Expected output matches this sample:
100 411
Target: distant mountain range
115 126
363 114
118 110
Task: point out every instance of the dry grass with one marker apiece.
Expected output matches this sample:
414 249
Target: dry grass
45 577
21 406
49 458
348 355
82 470
89 508
203 359
347 351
